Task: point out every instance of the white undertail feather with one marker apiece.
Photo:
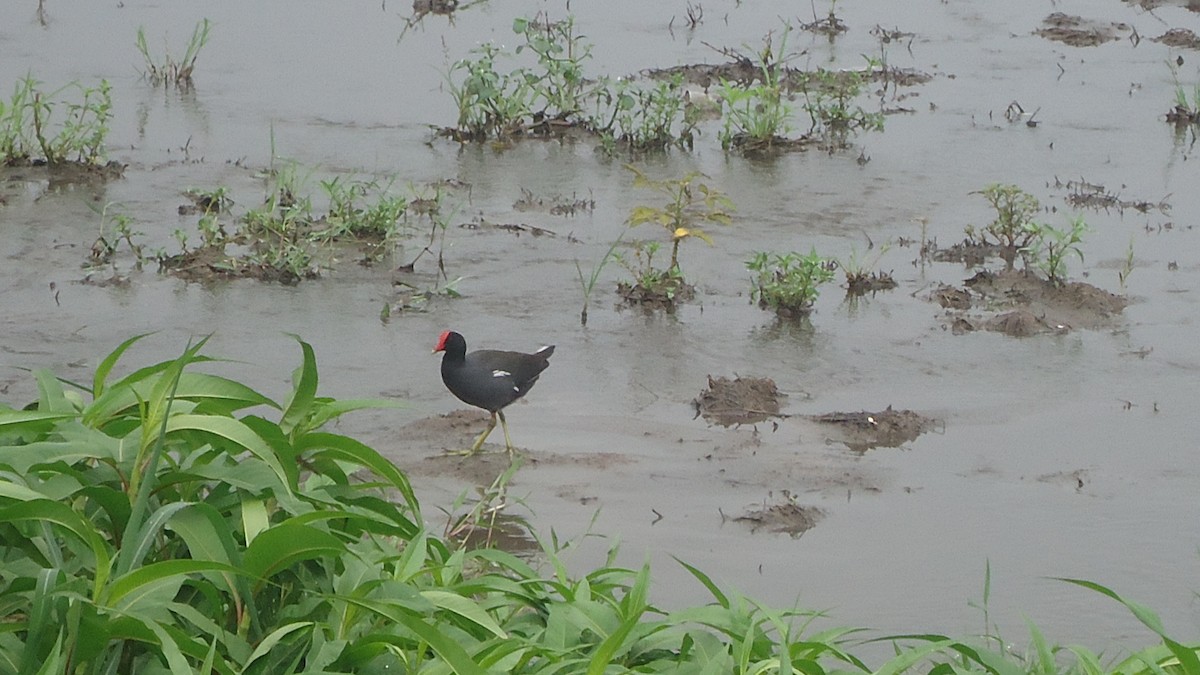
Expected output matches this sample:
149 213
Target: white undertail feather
544 348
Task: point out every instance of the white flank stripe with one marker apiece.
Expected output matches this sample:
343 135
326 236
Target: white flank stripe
500 373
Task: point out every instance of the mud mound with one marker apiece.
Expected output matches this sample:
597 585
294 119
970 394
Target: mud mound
786 518
1179 37
1079 32
862 431
744 400
1026 305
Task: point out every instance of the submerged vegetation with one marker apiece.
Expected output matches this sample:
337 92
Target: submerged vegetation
166 70
284 239
171 520
688 204
788 283
1017 232
551 94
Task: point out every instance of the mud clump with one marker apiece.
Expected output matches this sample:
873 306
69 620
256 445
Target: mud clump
63 173
787 518
861 284
862 431
212 263
1079 32
1026 305
664 296
743 400
1180 38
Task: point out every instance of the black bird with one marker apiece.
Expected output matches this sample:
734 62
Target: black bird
488 378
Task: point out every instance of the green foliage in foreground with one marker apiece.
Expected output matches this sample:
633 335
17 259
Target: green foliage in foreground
49 126
176 521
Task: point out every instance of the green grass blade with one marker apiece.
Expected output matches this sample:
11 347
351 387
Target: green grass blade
301 403
105 368
708 583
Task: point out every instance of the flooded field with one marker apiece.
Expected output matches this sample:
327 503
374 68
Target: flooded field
921 433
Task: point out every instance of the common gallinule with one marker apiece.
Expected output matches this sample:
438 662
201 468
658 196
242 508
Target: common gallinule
488 378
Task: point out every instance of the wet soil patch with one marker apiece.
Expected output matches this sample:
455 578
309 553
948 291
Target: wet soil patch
743 71
505 532
1022 304
447 436
62 173
482 224
1085 194
658 297
200 203
556 205
742 400
969 252
786 518
212 263
1193 5
1181 116
862 431
1077 31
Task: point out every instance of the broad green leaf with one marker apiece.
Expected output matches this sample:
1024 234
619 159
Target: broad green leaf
325 411
19 492
206 534
284 544
219 393
255 519
236 433
16 420
51 397
344 448
62 515
453 653
466 608
1187 656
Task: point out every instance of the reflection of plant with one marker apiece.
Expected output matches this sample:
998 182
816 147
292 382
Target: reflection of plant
1052 246
688 202
1013 228
168 70
788 283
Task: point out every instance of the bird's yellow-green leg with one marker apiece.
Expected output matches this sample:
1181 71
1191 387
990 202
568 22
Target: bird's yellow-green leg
482 437
507 441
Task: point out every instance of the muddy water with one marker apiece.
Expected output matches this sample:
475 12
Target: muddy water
1065 455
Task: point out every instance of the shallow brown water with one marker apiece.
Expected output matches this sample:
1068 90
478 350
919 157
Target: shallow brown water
1068 455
